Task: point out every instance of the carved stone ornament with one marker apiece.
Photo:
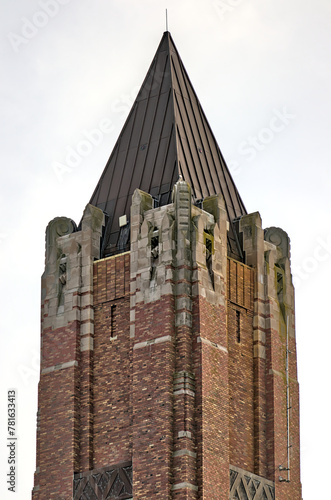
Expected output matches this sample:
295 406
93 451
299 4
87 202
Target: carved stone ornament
278 237
248 486
113 483
60 226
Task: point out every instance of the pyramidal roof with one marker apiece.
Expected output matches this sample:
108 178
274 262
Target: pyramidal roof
165 135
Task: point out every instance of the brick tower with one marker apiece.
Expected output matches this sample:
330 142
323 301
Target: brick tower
168 354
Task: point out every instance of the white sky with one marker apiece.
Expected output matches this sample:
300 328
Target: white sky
250 61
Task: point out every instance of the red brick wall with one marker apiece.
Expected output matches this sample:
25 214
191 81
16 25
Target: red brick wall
241 365
112 366
211 371
277 417
58 436
241 389
152 398
111 278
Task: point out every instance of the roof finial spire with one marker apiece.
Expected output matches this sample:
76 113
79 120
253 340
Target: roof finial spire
167 20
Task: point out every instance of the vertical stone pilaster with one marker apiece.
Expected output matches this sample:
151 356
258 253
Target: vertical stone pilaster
184 455
253 245
92 223
283 389
210 349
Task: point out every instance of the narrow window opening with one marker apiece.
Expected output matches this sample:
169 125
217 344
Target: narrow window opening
280 282
209 243
124 236
112 321
238 326
280 286
62 272
154 253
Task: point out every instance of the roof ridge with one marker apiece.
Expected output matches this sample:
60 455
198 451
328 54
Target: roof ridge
170 41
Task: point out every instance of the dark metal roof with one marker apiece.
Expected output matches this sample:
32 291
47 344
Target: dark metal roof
165 134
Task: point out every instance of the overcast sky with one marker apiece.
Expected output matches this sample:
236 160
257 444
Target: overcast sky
261 70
